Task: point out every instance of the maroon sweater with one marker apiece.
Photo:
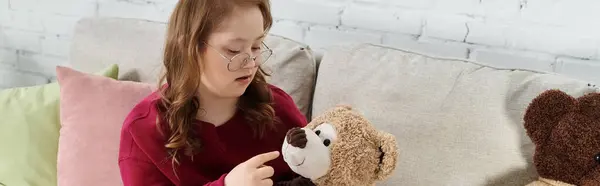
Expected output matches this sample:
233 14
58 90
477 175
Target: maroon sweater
143 159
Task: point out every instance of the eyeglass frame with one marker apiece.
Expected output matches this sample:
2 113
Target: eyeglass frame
230 60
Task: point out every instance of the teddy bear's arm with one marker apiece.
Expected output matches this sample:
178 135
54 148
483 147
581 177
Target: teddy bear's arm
544 112
298 181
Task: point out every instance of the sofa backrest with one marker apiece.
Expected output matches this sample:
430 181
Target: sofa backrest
136 46
456 122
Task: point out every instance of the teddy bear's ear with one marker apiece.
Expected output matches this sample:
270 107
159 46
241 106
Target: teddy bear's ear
544 112
389 155
344 106
589 105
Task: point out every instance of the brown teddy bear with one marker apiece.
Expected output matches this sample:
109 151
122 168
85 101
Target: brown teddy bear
566 133
340 147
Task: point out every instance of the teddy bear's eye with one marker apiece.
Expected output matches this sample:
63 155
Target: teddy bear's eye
318 132
597 158
326 142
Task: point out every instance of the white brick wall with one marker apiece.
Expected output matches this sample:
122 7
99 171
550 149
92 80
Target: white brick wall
514 59
558 36
382 19
452 27
154 10
320 36
583 69
8 58
317 12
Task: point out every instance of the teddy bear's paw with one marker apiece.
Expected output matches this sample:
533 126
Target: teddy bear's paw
389 155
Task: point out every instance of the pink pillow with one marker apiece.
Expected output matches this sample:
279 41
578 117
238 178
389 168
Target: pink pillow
92 110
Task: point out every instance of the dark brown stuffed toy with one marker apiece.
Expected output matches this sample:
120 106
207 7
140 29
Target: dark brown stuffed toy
566 133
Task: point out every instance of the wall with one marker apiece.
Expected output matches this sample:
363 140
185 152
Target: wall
550 35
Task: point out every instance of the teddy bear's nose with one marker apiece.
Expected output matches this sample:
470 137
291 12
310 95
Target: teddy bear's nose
296 137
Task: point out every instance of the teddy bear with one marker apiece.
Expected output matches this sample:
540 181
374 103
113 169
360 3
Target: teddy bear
340 147
566 133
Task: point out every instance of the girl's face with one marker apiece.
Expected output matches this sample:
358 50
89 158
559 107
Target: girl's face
239 39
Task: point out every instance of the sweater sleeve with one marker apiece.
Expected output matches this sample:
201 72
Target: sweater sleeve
137 169
143 160
136 172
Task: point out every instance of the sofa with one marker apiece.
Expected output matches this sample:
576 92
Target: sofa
457 122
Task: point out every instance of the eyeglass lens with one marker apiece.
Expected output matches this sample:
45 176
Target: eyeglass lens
242 60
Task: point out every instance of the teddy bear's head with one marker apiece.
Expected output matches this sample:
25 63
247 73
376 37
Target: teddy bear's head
566 133
340 147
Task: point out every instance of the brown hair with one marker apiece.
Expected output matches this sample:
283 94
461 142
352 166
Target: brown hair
190 25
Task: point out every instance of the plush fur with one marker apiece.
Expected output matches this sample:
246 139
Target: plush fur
566 133
341 147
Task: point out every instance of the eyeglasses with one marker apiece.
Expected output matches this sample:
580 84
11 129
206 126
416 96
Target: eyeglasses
242 59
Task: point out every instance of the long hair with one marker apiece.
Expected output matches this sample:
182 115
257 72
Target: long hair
190 24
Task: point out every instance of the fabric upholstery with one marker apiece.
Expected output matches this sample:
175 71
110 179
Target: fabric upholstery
136 45
292 68
456 122
93 109
29 132
133 44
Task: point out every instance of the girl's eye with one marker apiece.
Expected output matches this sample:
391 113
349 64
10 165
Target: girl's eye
233 51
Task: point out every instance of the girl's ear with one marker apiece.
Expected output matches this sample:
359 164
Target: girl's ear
389 155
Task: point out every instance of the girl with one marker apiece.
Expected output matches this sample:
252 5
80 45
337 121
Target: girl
214 120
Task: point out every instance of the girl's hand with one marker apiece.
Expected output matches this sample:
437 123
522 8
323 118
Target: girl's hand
253 172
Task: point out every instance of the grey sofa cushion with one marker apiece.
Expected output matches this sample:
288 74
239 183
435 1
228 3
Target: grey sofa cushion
136 46
293 68
456 122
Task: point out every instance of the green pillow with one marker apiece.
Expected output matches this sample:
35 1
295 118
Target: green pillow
29 130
